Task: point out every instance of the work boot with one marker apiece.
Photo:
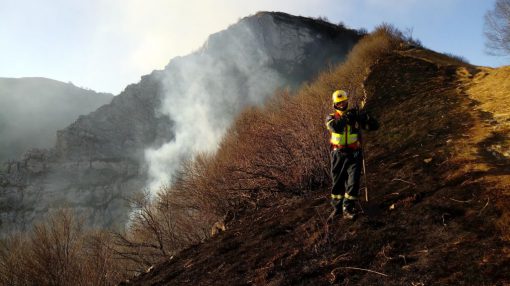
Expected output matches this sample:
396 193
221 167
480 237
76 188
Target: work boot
349 213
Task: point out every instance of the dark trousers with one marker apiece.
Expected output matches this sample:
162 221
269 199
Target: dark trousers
346 173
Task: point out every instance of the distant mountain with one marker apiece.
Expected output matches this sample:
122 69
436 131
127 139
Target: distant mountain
146 131
33 109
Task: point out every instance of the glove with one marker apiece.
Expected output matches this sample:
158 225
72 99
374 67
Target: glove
351 116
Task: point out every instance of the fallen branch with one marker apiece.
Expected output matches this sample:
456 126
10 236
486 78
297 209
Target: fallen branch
468 201
367 270
341 257
444 223
480 212
410 183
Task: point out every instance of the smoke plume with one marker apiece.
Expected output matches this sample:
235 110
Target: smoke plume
236 68
204 92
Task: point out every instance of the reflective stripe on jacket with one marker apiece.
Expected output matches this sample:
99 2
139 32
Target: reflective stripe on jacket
346 135
345 138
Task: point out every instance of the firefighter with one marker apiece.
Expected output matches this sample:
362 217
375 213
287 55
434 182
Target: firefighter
346 154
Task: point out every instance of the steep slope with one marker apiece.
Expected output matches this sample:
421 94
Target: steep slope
490 89
99 160
33 109
438 209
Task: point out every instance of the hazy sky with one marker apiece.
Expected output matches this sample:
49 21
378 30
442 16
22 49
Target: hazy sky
107 44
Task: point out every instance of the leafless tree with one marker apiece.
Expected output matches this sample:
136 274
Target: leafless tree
497 28
160 227
58 251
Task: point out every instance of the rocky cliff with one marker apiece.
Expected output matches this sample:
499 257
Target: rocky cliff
100 159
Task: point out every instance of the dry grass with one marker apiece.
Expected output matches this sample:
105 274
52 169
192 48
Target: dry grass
490 88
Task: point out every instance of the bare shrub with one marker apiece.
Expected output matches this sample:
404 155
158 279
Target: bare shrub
160 227
143 244
14 251
55 246
60 252
101 266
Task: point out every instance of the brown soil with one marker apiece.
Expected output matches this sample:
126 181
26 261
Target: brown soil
439 209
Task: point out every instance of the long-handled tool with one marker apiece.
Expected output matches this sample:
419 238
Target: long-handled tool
363 102
364 171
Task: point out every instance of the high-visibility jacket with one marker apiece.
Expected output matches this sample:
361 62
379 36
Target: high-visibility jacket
345 128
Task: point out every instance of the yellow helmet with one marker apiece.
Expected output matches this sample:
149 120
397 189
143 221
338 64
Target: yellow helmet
339 96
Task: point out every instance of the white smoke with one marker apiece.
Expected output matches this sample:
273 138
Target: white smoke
205 91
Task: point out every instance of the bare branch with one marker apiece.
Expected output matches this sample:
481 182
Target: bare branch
497 29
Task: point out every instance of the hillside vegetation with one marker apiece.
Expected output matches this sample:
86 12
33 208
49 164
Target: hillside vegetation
437 175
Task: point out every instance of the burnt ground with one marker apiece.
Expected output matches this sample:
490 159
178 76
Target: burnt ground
437 213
